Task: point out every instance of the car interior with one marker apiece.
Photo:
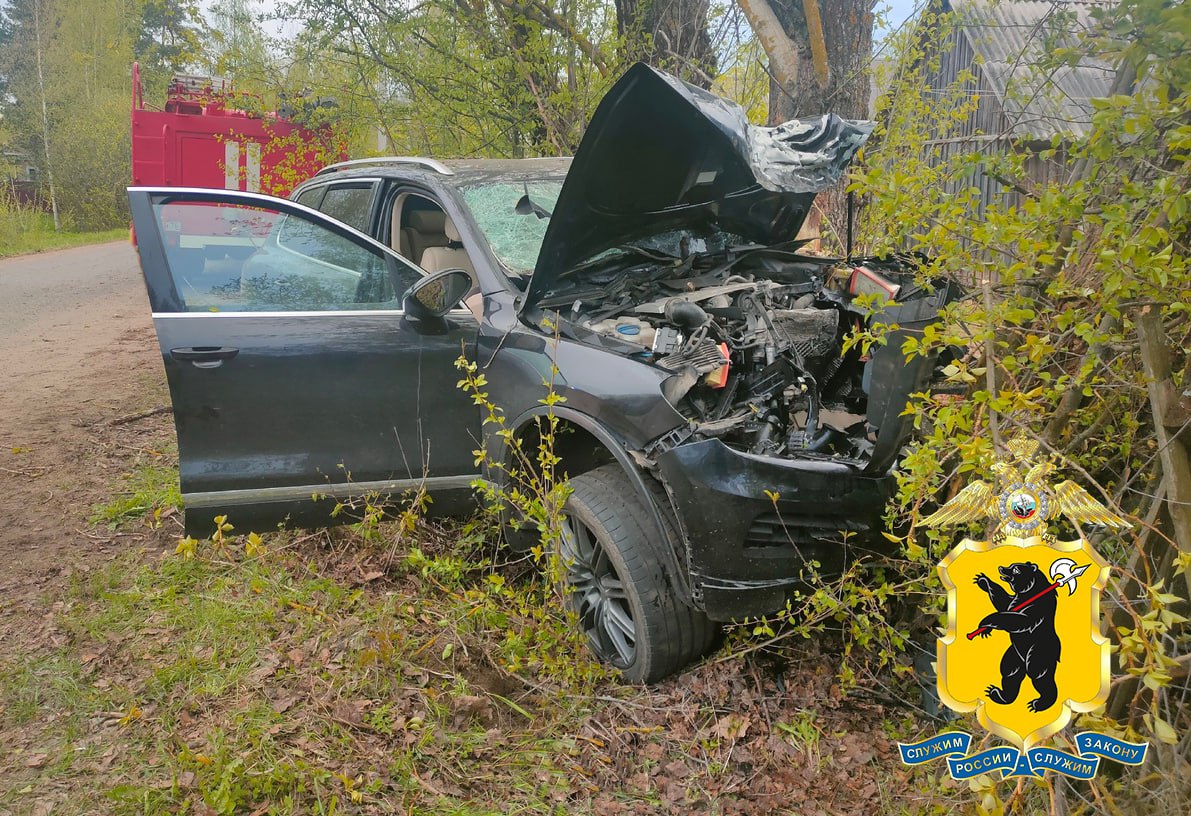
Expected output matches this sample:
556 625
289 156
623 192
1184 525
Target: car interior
422 232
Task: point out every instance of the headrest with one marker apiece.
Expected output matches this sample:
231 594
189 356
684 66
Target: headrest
451 231
427 220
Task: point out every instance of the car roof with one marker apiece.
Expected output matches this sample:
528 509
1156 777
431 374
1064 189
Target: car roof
448 172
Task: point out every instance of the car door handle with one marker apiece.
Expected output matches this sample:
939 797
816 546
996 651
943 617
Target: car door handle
204 356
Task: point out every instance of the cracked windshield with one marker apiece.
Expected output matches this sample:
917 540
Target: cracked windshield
514 232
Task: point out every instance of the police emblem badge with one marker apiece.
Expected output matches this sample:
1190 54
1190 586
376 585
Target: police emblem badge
1023 647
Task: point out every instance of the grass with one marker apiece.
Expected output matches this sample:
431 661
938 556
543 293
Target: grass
318 676
24 231
387 669
244 682
149 490
27 243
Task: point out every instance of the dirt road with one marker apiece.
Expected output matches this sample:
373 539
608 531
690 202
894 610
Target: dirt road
77 350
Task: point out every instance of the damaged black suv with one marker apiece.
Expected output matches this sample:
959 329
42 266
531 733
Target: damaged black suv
717 438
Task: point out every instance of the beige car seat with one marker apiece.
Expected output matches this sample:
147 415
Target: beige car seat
454 256
451 256
425 230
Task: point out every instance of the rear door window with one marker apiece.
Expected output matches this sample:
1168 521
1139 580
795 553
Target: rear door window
312 197
350 204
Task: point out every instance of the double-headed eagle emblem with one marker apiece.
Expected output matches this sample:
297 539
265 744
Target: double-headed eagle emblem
1025 503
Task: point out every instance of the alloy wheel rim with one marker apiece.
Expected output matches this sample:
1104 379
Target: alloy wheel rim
596 593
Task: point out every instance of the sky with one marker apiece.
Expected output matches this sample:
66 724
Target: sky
899 10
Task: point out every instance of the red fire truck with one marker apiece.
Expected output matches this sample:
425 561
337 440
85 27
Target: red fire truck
200 139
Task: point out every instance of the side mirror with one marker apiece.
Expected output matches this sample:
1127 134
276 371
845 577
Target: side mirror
433 296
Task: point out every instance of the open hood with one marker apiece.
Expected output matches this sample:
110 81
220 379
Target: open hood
661 155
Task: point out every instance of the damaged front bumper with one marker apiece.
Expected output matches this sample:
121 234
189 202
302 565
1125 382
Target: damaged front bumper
753 523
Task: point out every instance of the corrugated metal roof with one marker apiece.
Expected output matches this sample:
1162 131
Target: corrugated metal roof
1011 37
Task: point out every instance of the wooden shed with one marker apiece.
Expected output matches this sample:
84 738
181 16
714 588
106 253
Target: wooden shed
994 50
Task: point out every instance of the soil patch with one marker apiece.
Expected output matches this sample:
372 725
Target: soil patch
77 352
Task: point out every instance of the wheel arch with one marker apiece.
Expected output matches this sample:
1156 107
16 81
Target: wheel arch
585 445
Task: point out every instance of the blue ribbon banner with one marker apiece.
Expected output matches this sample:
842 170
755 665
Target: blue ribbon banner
1011 762
950 744
1089 743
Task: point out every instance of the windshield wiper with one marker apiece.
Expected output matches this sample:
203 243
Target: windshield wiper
527 206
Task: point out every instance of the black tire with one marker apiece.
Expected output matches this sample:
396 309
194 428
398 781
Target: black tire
616 584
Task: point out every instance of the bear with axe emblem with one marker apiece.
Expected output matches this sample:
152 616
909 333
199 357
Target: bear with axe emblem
1028 615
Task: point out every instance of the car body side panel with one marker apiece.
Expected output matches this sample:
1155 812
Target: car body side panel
622 395
327 402
670 550
315 399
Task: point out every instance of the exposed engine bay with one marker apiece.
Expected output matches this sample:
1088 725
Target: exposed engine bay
753 337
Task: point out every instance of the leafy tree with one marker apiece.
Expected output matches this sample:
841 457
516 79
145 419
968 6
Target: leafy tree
170 35
745 82
239 47
89 62
487 77
1078 331
28 33
7 32
66 66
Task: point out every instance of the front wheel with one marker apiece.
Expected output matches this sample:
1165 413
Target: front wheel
616 585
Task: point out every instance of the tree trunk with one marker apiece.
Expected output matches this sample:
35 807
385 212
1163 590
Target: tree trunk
831 46
834 44
1169 418
45 117
782 52
668 34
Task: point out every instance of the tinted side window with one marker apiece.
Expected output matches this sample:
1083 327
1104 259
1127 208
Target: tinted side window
349 204
235 258
312 197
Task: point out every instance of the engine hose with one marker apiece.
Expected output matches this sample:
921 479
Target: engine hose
764 438
686 315
821 439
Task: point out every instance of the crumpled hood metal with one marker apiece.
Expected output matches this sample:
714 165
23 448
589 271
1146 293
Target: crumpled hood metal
661 155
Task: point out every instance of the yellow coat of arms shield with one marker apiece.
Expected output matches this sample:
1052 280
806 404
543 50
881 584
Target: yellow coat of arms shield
1023 646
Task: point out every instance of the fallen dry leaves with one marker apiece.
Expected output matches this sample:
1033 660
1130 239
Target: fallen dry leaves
708 741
